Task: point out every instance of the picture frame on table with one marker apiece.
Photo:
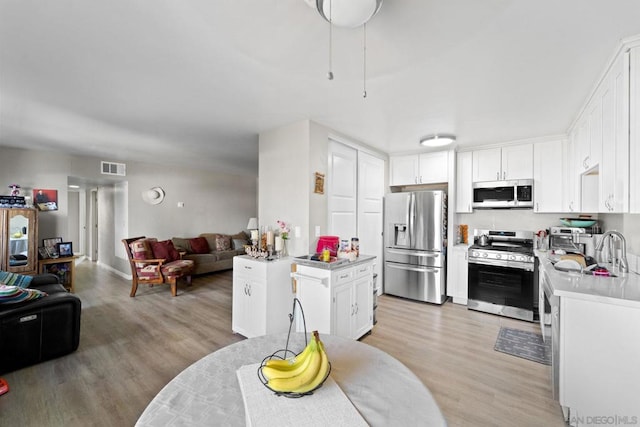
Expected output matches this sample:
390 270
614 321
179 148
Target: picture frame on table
51 246
42 252
65 249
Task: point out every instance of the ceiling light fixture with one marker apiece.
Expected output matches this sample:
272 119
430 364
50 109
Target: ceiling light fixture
347 14
437 140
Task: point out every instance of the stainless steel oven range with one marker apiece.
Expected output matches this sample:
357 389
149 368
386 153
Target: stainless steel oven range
503 274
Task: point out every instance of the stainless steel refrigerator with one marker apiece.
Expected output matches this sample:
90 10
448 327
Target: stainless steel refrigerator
415 245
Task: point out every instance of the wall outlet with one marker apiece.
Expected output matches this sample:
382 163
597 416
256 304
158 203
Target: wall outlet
181 204
317 231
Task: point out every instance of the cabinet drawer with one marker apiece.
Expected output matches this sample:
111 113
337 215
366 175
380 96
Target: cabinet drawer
343 276
248 267
362 270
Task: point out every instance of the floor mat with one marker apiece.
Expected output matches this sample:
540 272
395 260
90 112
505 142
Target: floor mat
527 345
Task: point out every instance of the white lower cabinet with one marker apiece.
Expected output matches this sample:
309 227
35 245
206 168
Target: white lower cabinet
338 302
599 353
262 296
458 274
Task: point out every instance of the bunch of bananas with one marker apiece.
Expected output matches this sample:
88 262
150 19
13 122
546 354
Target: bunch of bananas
299 374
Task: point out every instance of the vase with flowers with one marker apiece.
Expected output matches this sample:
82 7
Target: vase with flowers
284 236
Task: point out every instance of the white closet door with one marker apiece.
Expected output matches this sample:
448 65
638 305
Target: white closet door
342 190
370 209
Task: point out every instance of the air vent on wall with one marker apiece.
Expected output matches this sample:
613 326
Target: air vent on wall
110 168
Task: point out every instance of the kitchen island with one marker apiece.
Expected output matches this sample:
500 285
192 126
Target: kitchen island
597 347
337 297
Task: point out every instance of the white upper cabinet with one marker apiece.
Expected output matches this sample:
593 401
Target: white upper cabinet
508 162
570 183
634 130
464 184
614 164
548 169
426 168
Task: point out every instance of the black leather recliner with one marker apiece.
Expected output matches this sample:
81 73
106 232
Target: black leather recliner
38 330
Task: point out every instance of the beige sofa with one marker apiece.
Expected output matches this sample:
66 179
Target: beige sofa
214 255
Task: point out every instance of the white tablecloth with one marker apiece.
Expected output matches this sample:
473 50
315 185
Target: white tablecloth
384 391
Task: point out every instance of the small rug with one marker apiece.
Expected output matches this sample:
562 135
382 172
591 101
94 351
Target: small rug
527 345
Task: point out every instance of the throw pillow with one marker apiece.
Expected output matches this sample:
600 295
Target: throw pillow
14 279
141 249
14 294
223 243
239 244
182 244
165 250
199 245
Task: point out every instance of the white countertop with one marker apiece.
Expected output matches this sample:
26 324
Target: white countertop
622 290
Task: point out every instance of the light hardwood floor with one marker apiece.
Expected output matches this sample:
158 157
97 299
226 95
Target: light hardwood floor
131 347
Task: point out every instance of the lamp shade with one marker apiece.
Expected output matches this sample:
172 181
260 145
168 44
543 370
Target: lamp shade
253 224
348 13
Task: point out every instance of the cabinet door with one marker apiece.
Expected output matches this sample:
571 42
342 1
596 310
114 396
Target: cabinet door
239 318
614 164
342 190
464 184
370 206
570 190
315 298
342 311
433 167
404 170
256 309
634 130
457 274
487 165
362 319
517 161
548 175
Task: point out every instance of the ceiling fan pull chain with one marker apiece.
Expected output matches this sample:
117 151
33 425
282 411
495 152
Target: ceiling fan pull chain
364 62
330 73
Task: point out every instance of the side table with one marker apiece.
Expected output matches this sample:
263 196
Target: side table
63 267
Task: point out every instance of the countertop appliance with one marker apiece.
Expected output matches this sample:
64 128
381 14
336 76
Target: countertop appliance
415 241
573 239
514 194
503 274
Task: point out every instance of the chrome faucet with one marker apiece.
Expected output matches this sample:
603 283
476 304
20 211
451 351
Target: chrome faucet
624 265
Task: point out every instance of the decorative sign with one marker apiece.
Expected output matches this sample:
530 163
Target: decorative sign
319 188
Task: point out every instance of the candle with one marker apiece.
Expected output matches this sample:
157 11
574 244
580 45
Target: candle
254 234
278 243
269 237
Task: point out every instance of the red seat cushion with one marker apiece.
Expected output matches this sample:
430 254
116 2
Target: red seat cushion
165 250
199 245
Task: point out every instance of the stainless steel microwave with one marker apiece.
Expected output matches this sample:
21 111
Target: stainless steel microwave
513 194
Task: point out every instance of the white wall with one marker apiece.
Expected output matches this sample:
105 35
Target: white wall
213 202
283 180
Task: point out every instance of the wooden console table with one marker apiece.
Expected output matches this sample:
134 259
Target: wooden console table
63 267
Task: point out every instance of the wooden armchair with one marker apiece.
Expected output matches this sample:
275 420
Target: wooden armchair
165 266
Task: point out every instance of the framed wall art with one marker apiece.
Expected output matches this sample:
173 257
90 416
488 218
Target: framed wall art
45 200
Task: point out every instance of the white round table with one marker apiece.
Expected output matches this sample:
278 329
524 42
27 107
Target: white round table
382 389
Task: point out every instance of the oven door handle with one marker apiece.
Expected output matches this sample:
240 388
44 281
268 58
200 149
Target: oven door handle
502 263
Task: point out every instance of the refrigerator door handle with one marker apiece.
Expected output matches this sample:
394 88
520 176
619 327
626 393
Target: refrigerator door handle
411 214
411 268
416 253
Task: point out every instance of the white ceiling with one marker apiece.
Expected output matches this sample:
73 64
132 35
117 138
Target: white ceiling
195 81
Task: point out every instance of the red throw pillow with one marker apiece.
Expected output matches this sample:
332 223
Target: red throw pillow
165 250
199 245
